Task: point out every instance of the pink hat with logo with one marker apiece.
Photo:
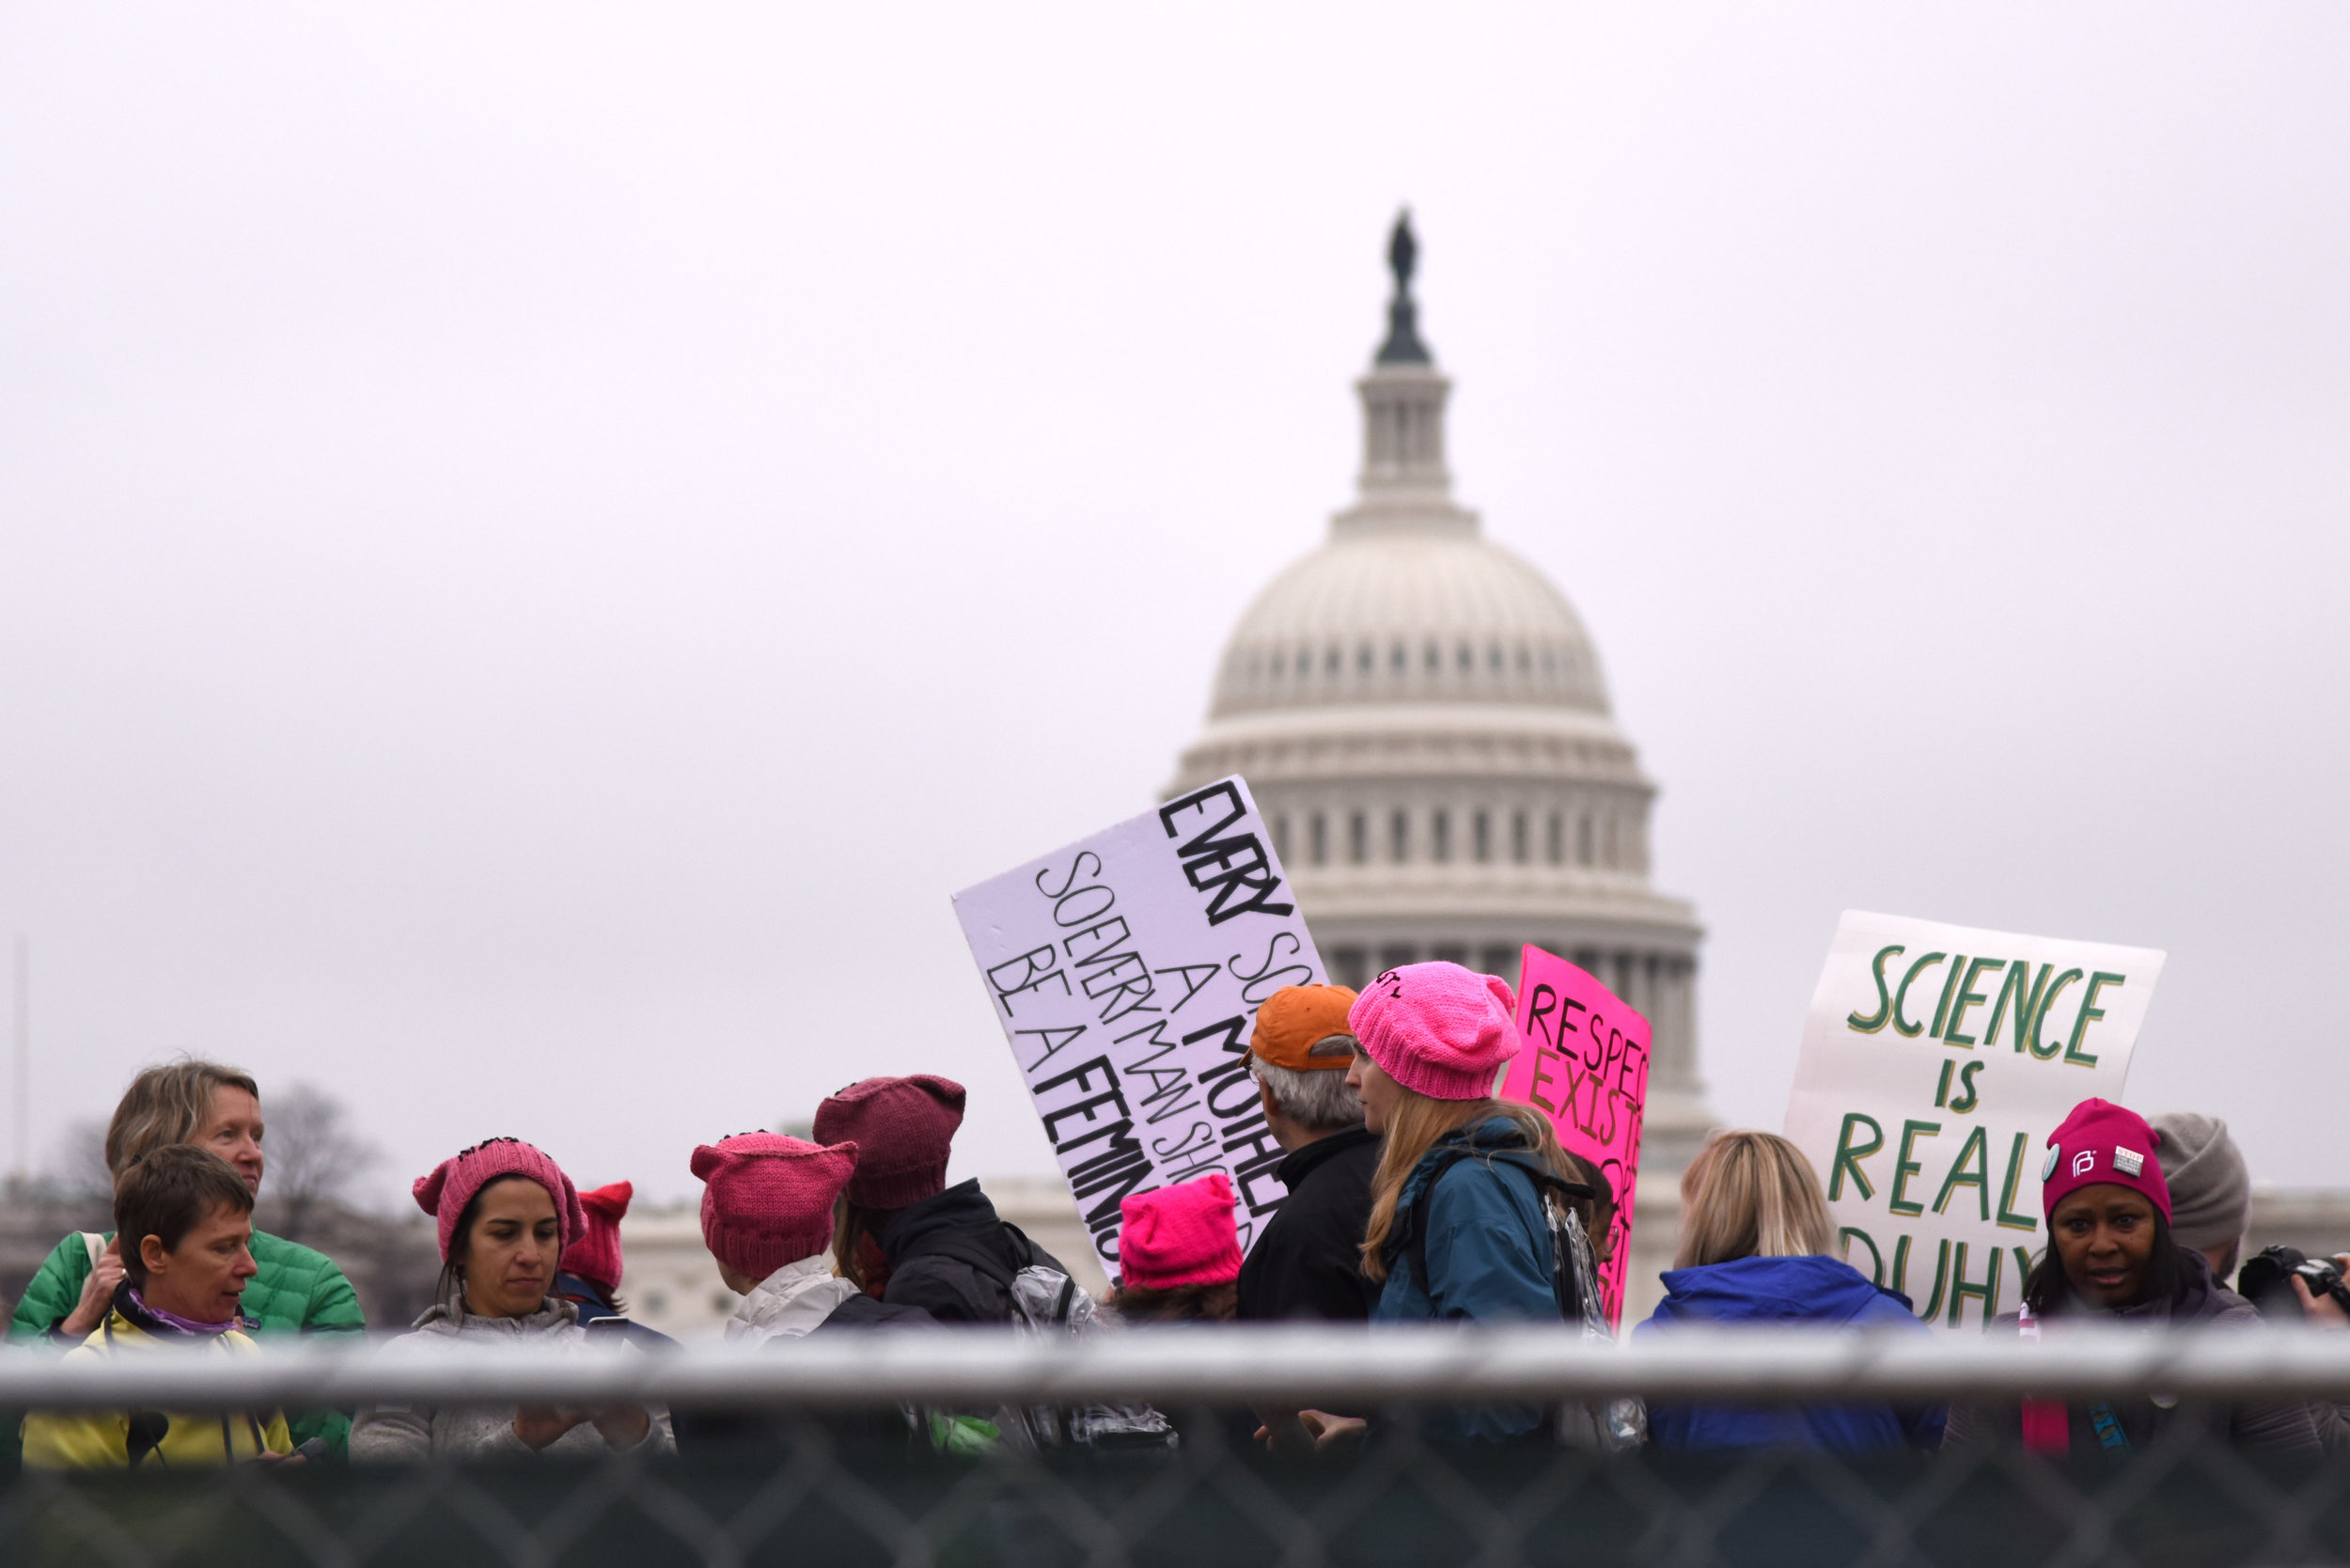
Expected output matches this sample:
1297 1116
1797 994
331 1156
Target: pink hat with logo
1437 1028
2101 1141
453 1182
1178 1235
767 1198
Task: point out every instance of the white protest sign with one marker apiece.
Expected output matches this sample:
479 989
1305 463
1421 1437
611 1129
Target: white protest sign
1126 971
1936 1060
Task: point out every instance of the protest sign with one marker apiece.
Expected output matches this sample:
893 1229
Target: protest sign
1583 1062
1127 970
1936 1060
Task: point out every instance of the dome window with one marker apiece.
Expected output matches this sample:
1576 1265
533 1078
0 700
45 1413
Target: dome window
1318 839
1519 849
1435 659
1358 838
1281 837
1400 836
1481 837
1440 837
1396 658
1276 663
1582 840
1557 845
1305 662
1526 661
1330 660
1469 659
1363 660
1492 658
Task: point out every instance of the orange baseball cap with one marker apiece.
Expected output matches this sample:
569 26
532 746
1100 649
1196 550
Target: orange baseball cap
1297 1018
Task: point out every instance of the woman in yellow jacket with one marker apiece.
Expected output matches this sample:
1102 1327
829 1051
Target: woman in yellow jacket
182 1282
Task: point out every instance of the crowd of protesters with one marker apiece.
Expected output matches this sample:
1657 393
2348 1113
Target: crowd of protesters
1415 1194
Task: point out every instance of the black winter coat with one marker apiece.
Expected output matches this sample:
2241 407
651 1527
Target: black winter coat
1308 1262
2287 1426
952 1257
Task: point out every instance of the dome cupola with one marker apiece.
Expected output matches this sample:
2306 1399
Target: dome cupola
1422 717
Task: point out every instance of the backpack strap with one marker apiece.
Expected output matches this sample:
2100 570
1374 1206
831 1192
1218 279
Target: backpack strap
1415 1246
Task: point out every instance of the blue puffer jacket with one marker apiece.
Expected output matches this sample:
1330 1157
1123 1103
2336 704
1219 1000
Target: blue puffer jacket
1787 1290
1489 1258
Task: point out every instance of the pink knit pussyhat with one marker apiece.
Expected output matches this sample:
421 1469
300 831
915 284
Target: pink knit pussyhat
904 1130
767 1198
1437 1028
594 1254
453 1182
1178 1235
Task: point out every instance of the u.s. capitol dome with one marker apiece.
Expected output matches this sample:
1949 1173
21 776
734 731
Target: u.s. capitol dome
1423 719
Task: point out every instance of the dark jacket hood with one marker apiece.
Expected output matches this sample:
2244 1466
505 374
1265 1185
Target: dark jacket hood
1774 1289
961 1208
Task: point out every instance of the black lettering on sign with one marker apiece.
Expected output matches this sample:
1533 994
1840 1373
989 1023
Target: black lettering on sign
1191 987
1233 869
1170 1083
1095 1084
1053 1041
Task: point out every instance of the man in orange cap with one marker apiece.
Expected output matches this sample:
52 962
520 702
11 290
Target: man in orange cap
1308 1262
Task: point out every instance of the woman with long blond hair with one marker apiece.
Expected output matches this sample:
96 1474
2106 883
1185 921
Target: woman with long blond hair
1460 1203
1754 1244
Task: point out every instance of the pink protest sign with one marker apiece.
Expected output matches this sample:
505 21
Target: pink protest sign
1583 1062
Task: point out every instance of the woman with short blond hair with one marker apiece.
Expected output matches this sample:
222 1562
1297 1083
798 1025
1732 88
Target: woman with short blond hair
1754 1242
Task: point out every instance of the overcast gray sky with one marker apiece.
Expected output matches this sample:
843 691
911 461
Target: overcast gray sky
539 545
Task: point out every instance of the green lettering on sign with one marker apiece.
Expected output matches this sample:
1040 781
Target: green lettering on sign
2047 1004
2007 1187
1968 996
1978 1179
1904 1168
1849 1156
2089 1013
2027 1003
1902 1024
1876 1020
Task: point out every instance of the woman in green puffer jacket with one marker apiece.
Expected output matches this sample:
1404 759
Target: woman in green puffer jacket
297 1291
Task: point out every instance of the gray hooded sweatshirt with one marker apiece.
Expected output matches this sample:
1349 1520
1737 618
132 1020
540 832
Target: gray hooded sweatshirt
412 1433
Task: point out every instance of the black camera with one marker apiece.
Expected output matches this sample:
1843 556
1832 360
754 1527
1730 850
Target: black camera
2265 1281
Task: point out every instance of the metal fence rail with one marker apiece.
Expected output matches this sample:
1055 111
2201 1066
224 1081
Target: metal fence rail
806 1492
1217 1365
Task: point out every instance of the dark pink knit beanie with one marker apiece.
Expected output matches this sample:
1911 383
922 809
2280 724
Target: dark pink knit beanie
452 1184
1437 1028
594 1254
767 1198
904 1129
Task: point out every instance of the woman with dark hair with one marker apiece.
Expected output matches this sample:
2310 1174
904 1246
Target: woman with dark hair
505 1212
904 1236
294 1290
2112 1257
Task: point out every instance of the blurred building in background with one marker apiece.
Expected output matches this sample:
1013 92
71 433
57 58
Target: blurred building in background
1423 720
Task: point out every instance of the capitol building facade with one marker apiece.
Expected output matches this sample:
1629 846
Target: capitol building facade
1422 718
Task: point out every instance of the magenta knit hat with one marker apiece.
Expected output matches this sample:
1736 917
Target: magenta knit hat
1437 1028
1178 1235
594 1254
767 1198
904 1129
2101 1141
445 1193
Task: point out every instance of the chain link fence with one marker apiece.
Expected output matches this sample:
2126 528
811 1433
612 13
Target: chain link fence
811 1483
